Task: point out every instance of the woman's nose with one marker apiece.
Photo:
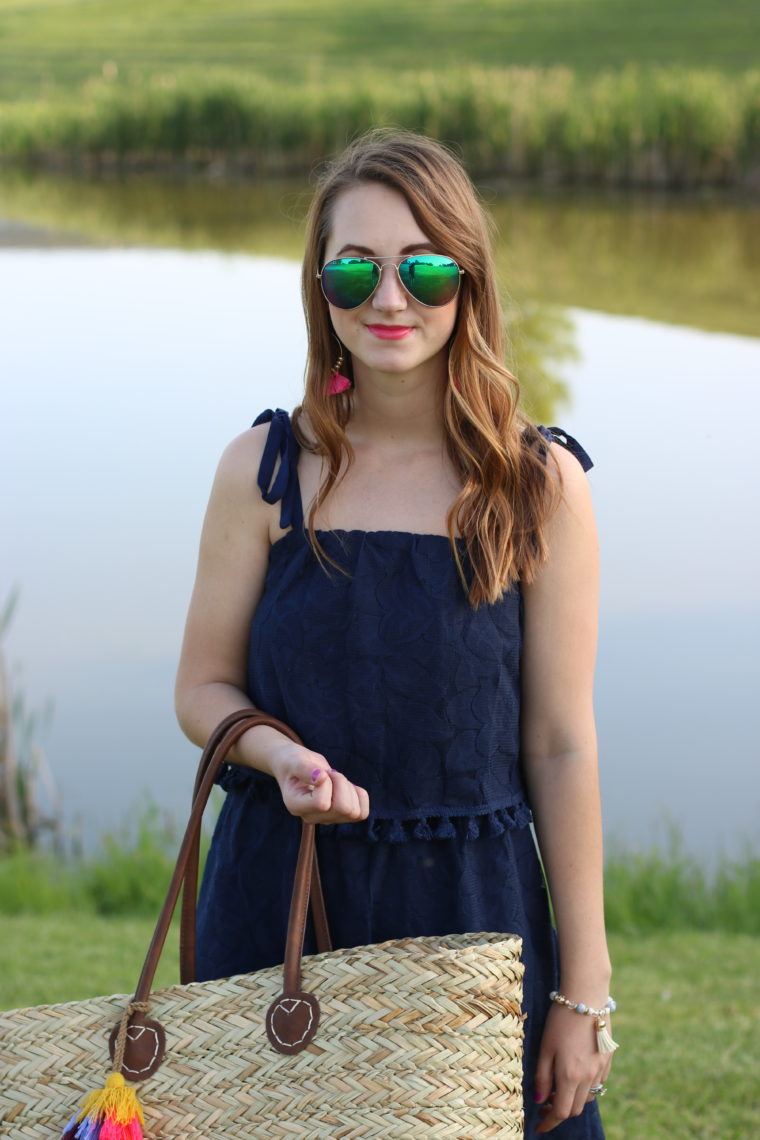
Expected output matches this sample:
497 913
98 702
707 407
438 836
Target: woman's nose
390 293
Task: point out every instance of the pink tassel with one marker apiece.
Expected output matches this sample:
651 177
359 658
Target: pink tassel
338 384
110 1113
112 1130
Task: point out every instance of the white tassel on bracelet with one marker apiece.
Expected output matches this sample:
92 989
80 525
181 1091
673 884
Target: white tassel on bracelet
604 1042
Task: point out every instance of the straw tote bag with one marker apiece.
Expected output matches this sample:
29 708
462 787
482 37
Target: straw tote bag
413 1038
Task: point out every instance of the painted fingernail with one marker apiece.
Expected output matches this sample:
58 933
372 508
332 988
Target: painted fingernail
315 774
537 1098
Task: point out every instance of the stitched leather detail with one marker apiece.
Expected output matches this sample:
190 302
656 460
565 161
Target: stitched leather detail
292 1021
145 1048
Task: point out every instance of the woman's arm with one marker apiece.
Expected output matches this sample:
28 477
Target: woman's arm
560 766
211 680
232 563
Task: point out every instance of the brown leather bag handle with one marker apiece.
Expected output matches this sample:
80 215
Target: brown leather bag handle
293 1018
190 888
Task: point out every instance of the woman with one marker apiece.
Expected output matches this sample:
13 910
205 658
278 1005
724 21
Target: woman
413 588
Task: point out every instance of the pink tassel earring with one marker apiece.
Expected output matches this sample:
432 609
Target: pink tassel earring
338 383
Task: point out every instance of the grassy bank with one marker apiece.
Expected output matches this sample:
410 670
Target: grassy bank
688 1016
57 46
615 92
128 875
662 888
666 126
669 889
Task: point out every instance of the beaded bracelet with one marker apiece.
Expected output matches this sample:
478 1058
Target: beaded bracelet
604 1042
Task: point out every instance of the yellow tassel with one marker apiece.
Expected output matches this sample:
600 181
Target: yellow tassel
604 1042
117 1100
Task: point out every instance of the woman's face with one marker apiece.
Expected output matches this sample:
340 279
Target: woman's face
391 332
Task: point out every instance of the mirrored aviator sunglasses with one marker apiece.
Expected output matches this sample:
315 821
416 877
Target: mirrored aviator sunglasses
430 278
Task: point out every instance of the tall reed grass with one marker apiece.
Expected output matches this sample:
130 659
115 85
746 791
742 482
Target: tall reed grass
667 888
653 126
128 875
663 888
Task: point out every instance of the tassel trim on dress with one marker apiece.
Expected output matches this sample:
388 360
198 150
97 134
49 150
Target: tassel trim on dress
448 823
475 825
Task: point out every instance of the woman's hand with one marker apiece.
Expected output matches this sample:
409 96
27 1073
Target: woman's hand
314 791
568 1065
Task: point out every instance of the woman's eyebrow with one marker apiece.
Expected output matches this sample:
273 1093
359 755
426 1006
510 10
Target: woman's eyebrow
366 252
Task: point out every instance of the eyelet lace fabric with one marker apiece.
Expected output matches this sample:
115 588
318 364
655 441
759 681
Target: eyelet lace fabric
387 671
384 667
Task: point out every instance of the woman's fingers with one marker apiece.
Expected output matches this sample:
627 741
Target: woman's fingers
602 1076
544 1081
348 799
347 802
363 801
543 1078
568 1099
578 1102
569 1065
320 794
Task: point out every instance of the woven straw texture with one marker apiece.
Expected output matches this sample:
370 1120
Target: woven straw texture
418 1037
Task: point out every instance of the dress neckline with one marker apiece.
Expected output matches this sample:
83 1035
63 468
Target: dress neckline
278 480
351 532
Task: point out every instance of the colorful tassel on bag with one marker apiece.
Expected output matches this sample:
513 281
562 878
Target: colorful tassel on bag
111 1113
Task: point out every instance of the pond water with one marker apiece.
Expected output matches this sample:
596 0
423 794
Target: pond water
126 370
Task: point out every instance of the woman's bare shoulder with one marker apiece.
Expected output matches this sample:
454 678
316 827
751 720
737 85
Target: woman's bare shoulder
574 479
571 528
242 456
235 495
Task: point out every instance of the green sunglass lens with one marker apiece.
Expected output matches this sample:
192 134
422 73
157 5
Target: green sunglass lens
431 278
349 281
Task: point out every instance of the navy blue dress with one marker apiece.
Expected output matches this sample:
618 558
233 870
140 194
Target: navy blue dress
384 668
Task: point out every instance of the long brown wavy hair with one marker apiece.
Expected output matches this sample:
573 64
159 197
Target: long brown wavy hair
508 489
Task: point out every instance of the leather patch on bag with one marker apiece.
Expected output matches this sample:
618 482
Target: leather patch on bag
292 1021
145 1048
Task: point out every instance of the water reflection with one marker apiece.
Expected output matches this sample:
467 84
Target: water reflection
268 220
234 216
541 342
686 261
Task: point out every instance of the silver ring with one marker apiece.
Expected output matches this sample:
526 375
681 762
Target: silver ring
598 1090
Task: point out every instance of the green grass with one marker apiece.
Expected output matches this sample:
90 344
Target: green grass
669 889
635 127
688 1017
68 957
127 876
53 43
624 92
687 1023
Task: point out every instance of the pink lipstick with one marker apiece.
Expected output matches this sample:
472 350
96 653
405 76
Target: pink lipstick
390 332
